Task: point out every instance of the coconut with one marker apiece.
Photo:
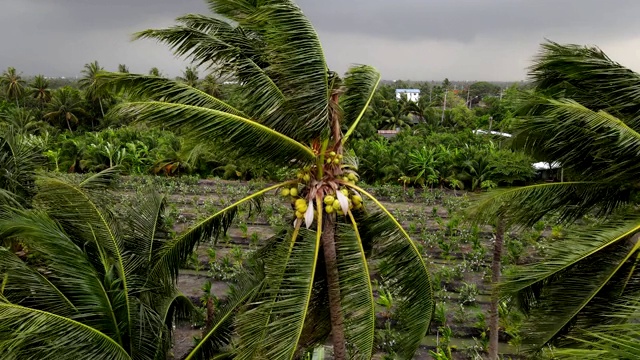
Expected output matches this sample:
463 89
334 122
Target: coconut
284 192
329 199
293 191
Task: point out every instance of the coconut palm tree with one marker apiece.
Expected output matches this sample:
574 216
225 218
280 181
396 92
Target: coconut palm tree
190 76
154 71
12 84
211 86
582 113
39 89
22 121
89 83
95 291
65 107
123 68
18 163
317 281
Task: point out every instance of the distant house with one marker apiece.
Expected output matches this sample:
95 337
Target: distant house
485 132
388 134
409 94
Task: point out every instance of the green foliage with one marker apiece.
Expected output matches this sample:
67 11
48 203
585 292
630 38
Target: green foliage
582 113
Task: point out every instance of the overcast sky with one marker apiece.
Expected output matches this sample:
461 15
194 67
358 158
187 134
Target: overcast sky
404 39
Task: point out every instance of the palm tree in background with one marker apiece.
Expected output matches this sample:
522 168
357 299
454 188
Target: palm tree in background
19 160
292 118
89 83
211 86
102 293
123 68
12 84
39 89
21 121
190 76
65 106
582 112
154 71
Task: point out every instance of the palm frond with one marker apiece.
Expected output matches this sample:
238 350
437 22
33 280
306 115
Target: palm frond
251 336
615 341
355 288
569 200
248 137
147 232
588 76
21 282
589 144
291 291
361 83
38 328
156 88
274 96
8 198
80 209
404 271
69 276
231 51
559 296
219 334
293 51
168 259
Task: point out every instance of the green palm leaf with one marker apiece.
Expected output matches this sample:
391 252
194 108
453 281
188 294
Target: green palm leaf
590 77
74 287
219 335
282 69
168 258
361 83
615 341
294 54
290 292
569 200
160 89
558 294
250 138
403 268
588 143
37 328
251 336
355 287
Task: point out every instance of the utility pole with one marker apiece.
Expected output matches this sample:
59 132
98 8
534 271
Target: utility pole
468 103
444 106
501 93
430 91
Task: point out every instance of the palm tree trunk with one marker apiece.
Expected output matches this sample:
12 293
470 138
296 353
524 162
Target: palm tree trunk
101 109
333 282
494 319
68 124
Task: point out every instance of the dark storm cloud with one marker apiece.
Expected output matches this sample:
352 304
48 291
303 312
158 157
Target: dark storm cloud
464 20
417 39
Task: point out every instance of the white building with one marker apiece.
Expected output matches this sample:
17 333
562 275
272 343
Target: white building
410 94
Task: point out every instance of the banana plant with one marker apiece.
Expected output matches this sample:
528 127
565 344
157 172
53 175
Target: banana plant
317 277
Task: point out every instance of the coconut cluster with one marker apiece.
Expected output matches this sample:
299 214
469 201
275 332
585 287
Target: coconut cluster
333 188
